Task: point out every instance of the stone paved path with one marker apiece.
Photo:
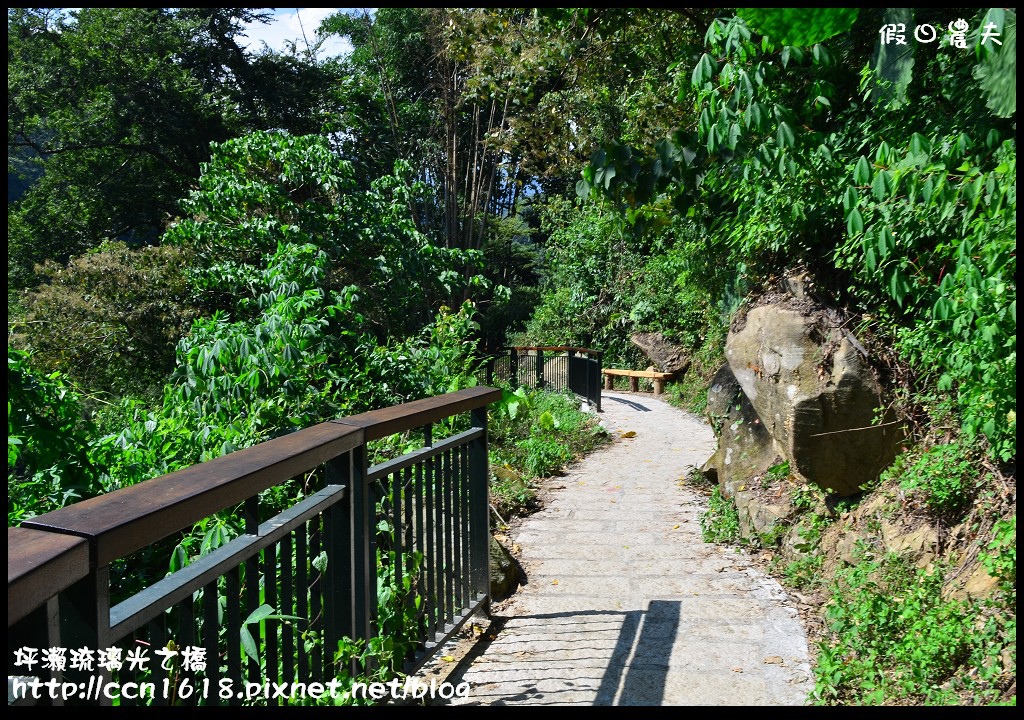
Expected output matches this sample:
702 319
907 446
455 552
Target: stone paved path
625 604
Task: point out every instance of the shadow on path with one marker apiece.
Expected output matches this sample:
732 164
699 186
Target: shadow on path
631 403
632 670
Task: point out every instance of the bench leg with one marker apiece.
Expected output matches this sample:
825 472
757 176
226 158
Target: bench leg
607 382
659 386
634 383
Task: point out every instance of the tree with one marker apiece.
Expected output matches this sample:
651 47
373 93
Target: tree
266 190
410 97
116 107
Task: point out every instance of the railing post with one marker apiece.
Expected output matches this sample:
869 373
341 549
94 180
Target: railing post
364 572
596 392
569 374
479 475
85 623
251 513
513 367
540 368
338 606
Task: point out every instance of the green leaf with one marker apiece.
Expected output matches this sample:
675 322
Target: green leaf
248 644
854 223
881 185
870 262
851 198
712 139
583 189
261 613
885 241
703 71
754 115
609 175
797 26
785 136
734 136
179 558
862 172
919 144
927 189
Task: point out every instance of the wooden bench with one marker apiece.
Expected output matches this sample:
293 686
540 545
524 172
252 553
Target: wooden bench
634 376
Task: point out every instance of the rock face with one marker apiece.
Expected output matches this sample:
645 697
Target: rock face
745 447
666 357
504 571
808 385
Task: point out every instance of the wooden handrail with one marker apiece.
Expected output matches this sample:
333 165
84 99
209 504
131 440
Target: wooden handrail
555 348
132 518
126 520
399 418
44 565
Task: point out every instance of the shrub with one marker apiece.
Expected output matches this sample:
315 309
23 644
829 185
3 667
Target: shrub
109 320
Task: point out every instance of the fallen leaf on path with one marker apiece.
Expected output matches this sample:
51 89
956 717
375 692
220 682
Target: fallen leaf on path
737 669
773 660
676 527
554 582
448 658
628 434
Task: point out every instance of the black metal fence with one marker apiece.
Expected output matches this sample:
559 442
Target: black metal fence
554 367
392 558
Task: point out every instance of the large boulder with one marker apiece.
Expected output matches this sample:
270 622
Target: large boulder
808 381
665 356
745 447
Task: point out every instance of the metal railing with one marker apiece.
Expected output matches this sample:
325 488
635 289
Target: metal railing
416 525
555 367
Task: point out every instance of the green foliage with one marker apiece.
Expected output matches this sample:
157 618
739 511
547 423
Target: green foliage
997 72
109 319
544 456
797 26
944 476
892 64
778 472
720 523
47 463
536 433
804 573
1000 555
265 190
112 110
926 648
